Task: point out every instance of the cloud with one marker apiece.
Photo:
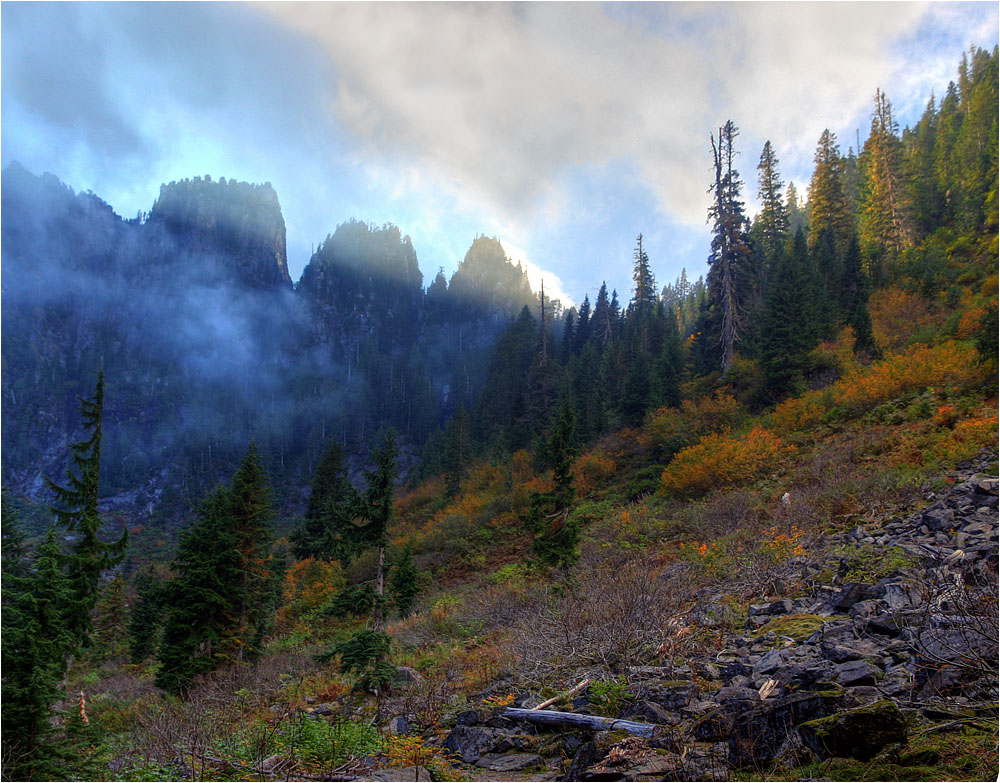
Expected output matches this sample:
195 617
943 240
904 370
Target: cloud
494 101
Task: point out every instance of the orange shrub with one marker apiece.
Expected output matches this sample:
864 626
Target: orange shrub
949 364
591 468
897 314
693 419
721 461
307 586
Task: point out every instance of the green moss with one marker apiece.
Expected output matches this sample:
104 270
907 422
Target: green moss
795 626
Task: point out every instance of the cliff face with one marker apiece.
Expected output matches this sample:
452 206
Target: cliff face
206 344
236 227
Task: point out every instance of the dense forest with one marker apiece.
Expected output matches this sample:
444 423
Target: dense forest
306 530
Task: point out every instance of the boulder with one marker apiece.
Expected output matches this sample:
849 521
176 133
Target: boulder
650 712
470 743
859 733
760 733
407 674
853 592
671 695
859 672
510 762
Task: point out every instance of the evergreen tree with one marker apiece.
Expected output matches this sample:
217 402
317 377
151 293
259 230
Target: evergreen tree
602 324
583 326
203 611
823 272
250 512
854 299
642 307
110 620
375 507
458 451
772 219
146 617
729 275
786 339
670 363
556 535
404 582
76 512
797 214
327 532
38 634
885 227
828 207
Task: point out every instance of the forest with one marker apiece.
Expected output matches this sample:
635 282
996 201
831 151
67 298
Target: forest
355 528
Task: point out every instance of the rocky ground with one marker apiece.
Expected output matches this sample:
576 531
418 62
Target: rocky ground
893 636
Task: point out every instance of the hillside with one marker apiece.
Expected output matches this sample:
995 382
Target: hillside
742 528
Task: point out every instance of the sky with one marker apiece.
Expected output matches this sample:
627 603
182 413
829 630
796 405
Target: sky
563 129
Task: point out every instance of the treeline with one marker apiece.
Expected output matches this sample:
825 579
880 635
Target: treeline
914 209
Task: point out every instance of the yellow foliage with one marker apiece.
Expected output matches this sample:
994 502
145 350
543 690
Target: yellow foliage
723 460
591 468
308 585
896 314
949 364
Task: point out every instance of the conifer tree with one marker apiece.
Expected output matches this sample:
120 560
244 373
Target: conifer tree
376 508
146 616
404 582
670 363
38 634
785 338
772 219
729 276
202 608
556 535
458 451
885 227
602 326
853 296
250 512
828 207
797 214
642 307
76 512
110 619
583 326
327 532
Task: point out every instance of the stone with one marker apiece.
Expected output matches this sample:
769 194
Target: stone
470 718
988 486
939 519
901 596
470 743
407 674
760 732
852 593
643 711
770 609
859 733
510 762
398 725
326 708
859 672
716 726
670 694
852 650
584 757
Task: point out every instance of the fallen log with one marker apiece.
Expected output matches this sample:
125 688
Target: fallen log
592 722
563 696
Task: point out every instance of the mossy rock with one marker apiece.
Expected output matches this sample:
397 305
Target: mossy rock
795 626
859 733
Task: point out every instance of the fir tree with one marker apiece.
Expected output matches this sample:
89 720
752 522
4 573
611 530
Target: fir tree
602 326
327 532
110 620
404 582
250 512
583 326
202 608
376 508
76 512
853 298
828 208
38 634
146 615
556 535
773 219
786 339
729 276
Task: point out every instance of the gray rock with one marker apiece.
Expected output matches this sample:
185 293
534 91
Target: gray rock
326 708
859 733
760 732
644 711
988 486
939 518
771 609
471 717
856 673
852 593
510 762
398 725
470 743
669 694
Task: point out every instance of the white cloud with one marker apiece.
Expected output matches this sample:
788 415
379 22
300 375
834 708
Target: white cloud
553 285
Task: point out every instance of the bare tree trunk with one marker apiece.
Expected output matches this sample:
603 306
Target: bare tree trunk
380 589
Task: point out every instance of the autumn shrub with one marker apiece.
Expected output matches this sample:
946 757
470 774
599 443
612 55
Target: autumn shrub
308 585
949 365
670 429
723 461
897 314
591 469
